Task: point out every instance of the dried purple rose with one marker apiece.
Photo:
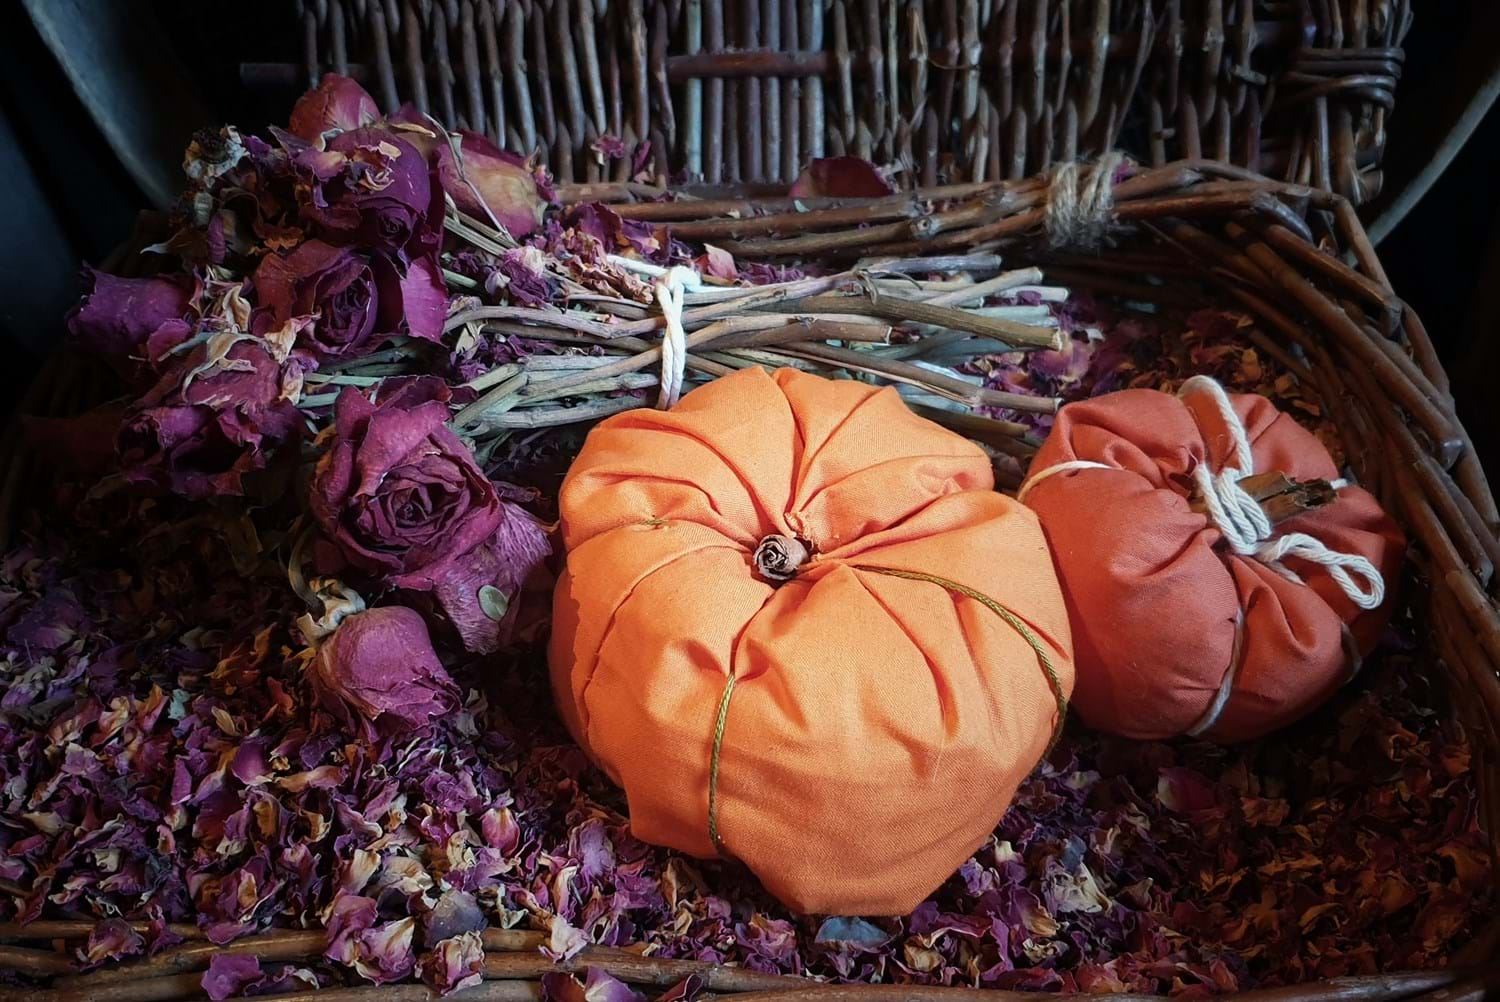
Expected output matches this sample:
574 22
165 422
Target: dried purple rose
353 301
220 413
379 673
116 315
371 189
337 105
484 594
397 492
333 284
490 178
483 179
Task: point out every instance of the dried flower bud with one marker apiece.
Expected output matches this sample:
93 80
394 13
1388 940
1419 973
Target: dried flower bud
778 558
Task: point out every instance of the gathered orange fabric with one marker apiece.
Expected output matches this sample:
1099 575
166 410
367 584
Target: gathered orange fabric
879 724
1176 633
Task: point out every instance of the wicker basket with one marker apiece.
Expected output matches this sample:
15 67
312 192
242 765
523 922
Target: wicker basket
954 90
1295 258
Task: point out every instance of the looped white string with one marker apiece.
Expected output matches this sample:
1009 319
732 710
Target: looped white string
1081 209
669 293
1064 467
1248 531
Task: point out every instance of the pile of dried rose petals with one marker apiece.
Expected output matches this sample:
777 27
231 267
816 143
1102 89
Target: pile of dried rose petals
160 761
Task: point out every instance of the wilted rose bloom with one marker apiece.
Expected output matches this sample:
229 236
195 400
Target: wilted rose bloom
454 964
379 673
483 177
210 419
372 189
355 301
337 105
318 279
502 182
116 316
397 492
511 563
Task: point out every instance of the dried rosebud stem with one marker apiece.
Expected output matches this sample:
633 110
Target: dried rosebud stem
778 558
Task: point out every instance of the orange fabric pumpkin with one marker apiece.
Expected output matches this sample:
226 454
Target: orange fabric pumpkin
879 725
1175 633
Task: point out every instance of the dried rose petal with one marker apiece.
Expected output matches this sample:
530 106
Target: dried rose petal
337 105
840 177
453 964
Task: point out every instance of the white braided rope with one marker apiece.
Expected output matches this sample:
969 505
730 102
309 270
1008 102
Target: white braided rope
670 288
1248 531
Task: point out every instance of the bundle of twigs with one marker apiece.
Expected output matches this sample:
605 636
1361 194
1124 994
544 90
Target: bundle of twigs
905 321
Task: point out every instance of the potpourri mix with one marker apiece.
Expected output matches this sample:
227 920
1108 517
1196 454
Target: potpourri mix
276 658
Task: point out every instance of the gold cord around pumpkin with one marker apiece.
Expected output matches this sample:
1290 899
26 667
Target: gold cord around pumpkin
1010 618
713 767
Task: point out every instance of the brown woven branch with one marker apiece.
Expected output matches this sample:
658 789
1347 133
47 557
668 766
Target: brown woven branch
78 929
279 945
26 960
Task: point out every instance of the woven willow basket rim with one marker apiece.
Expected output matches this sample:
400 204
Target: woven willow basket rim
748 90
1298 259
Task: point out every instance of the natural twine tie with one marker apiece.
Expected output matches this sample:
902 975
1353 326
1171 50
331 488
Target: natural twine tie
670 288
1081 203
779 559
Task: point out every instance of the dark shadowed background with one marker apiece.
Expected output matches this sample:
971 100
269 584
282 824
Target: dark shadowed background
66 198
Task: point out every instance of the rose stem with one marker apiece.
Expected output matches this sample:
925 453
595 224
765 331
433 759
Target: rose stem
462 281
925 265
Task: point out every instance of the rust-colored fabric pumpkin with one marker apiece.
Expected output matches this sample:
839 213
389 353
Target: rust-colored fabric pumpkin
879 721
1176 631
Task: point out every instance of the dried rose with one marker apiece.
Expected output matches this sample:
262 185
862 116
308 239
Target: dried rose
117 315
218 414
840 177
333 284
397 492
352 301
372 189
489 177
482 593
378 673
337 105
483 179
